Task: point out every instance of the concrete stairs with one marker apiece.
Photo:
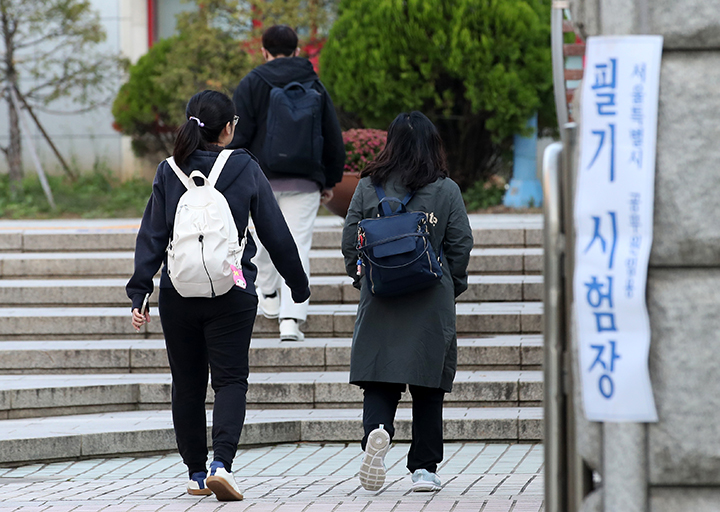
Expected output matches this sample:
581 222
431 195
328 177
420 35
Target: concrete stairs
77 381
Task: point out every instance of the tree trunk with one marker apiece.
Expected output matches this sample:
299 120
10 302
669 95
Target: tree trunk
470 151
14 150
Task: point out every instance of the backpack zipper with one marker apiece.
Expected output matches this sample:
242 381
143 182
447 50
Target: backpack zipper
202 254
422 226
430 264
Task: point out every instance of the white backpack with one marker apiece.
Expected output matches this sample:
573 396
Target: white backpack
204 254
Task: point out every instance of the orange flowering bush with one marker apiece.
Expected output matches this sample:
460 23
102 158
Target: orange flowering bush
362 146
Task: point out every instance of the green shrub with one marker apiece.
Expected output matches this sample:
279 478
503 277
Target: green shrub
151 104
484 194
477 68
143 108
361 147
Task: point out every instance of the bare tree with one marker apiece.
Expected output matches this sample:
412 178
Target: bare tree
51 50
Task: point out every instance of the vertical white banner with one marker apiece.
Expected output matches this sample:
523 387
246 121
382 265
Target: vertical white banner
613 223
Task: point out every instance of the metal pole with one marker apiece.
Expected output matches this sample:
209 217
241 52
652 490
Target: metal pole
31 143
579 478
554 331
558 60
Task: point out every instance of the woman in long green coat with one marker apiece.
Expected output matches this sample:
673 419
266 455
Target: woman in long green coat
408 340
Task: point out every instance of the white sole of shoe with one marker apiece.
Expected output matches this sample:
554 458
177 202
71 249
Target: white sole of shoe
200 492
292 337
222 489
372 469
425 487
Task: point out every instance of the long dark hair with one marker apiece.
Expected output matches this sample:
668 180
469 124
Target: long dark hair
210 111
414 152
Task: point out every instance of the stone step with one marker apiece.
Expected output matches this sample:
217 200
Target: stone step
145 432
325 290
266 355
119 235
331 320
322 262
32 396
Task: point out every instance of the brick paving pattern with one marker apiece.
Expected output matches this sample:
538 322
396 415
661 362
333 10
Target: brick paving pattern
309 477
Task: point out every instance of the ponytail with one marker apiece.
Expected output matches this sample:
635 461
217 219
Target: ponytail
207 114
188 140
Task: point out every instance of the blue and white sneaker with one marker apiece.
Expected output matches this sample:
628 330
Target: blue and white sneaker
222 483
196 485
424 481
372 469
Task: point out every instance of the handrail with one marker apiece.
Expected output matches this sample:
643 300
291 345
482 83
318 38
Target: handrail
554 318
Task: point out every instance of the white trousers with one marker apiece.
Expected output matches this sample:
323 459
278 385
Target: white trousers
299 210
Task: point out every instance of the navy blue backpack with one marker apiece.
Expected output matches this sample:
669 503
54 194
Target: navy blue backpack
294 141
395 249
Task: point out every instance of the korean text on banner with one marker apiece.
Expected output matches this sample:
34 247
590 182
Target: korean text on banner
613 223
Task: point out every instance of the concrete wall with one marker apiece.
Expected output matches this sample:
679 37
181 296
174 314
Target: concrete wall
681 453
89 138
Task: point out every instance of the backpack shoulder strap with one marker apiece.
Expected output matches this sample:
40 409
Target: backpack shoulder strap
408 197
272 85
384 206
178 172
218 166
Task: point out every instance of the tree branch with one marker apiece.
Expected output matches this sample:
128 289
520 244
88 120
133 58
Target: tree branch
38 40
65 79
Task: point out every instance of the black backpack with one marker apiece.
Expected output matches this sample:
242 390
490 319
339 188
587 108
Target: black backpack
294 141
395 249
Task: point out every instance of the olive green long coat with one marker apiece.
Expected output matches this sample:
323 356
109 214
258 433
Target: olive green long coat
411 339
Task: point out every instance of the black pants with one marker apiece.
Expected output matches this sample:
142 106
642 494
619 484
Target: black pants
379 407
198 332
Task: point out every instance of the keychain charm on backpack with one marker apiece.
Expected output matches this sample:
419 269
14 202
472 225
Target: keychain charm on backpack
237 272
238 277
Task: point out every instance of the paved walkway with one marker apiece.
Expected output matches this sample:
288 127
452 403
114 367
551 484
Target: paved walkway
285 478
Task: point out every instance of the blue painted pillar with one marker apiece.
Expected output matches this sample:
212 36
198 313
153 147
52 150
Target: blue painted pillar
525 189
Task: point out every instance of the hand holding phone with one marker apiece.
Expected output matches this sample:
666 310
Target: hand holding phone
142 315
145 304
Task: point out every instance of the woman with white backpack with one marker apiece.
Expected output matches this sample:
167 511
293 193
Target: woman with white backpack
196 224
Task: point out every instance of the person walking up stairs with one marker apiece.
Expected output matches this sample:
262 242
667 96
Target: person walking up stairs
287 120
207 296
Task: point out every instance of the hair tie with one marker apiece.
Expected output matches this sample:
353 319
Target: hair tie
200 123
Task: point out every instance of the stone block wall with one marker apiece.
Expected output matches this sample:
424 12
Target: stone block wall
682 451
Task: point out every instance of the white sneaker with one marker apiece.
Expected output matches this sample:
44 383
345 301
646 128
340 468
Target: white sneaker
196 485
372 469
290 330
424 481
223 483
269 306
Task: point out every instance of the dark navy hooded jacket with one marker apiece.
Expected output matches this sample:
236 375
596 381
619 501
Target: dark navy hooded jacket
252 99
248 192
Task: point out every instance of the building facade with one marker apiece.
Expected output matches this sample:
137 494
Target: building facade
88 139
